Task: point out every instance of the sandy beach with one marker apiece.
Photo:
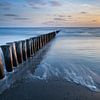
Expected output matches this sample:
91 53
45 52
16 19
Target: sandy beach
52 89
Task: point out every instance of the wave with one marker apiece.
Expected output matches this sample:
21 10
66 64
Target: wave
81 32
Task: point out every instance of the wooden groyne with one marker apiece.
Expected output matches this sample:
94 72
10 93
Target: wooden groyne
17 52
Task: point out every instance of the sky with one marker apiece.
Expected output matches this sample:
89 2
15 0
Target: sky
49 13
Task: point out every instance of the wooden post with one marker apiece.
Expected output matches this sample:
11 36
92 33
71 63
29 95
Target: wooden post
32 42
7 51
36 46
28 45
14 54
40 41
45 38
18 46
49 37
24 50
57 31
1 70
33 45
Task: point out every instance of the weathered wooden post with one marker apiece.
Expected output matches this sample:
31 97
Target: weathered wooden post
28 45
36 46
39 42
57 31
14 54
49 37
24 50
1 70
33 45
54 34
7 51
45 38
42 40
18 46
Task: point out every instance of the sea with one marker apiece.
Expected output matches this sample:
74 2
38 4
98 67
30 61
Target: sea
74 54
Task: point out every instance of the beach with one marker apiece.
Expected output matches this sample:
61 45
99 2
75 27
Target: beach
67 69
53 89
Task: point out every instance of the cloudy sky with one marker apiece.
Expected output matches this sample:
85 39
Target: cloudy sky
33 13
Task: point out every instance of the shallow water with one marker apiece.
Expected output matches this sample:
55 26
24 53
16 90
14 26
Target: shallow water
73 58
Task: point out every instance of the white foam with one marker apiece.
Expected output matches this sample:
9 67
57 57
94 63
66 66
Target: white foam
68 73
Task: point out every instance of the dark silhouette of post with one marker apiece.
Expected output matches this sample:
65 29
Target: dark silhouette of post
1 70
28 46
38 43
42 39
24 50
31 44
14 54
18 46
34 44
7 51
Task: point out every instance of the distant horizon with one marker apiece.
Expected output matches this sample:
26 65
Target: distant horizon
50 27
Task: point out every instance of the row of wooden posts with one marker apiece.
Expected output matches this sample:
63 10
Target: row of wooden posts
17 52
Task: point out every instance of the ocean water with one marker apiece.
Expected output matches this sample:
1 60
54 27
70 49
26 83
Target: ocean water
74 54
16 34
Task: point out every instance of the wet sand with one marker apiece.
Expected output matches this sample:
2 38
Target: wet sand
52 89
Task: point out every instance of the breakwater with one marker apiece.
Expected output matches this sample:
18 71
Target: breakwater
17 52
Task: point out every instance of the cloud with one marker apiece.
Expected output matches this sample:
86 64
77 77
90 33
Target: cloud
94 21
11 15
87 5
21 18
83 12
69 16
5 5
61 16
48 23
58 19
15 16
38 4
55 3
